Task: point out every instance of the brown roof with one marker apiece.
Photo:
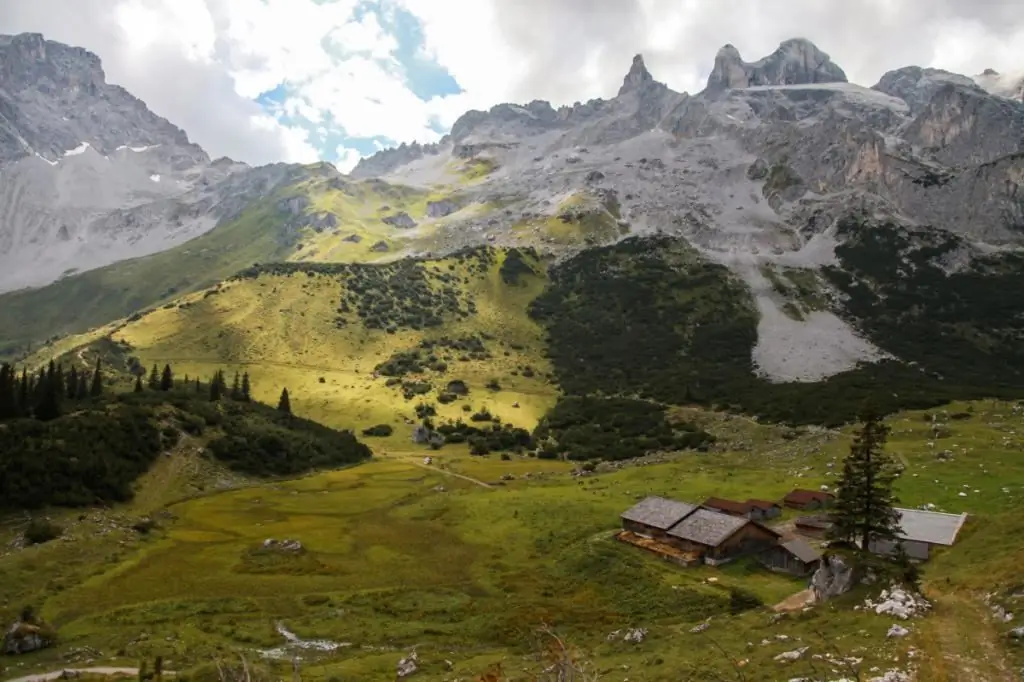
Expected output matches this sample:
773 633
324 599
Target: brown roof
801 496
762 504
801 550
728 506
813 522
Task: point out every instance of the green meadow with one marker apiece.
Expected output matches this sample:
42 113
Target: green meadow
464 559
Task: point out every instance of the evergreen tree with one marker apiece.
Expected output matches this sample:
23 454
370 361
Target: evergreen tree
50 393
154 378
217 386
199 388
138 383
236 388
96 390
284 404
82 392
8 394
58 377
863 510
24 391
246 388
72 383
167 379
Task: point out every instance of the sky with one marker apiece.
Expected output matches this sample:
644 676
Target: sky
263 81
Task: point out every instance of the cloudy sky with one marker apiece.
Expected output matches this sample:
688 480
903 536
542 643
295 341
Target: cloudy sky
299 80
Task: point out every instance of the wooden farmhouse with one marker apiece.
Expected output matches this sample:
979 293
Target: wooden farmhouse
731 507
922 531
808 500
710 536
795 557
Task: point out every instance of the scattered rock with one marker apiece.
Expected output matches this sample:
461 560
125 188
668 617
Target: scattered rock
380 247
442 208
790 656
897 631
697 629
402 220
408 665
635 635
353 238
899 603
1017 632
283 545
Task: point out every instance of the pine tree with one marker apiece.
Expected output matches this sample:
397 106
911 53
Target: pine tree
50 393
154 378
8 407
217 386
72 383
167 379
236 388
199 388
138 383
58 378
82 392
24 391
863 510
246 388
96 390
284 404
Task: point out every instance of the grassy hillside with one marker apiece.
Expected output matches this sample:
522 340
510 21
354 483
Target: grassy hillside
398 555
322 219
361 345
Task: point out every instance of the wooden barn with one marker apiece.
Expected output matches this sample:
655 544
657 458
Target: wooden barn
730 507
764 510
720 538
813 526
651 517
795 557
808 500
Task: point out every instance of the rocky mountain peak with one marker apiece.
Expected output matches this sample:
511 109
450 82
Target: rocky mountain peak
638 76
56 97
797 61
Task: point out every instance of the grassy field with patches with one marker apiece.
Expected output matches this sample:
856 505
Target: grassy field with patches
399 555
282 329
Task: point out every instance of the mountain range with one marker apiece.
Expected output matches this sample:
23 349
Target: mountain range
811 235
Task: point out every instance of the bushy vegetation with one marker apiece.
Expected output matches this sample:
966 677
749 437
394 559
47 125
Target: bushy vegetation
648 317
434 355
516 265
60 446
482 440
584 428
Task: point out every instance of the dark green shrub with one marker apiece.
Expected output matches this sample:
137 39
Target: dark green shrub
40 531
379 431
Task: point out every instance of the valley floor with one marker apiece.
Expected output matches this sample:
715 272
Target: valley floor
463 559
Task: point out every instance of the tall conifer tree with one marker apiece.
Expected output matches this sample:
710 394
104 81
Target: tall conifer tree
138 383
284 404
246 388
154 378
863 510
167 379
236 388
72 383
96 389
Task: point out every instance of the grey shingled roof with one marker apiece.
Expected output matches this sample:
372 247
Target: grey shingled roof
707 527
658 512
935 528
801 550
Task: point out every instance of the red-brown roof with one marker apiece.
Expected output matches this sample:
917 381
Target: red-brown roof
800 496
728 506
762 504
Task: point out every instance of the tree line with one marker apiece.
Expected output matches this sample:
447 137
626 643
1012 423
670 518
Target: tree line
47 394
43 395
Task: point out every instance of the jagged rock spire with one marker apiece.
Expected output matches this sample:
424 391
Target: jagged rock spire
637 77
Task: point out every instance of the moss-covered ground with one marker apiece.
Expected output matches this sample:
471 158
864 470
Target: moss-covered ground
400 555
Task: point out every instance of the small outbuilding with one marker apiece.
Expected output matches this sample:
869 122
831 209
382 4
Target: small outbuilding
651 517
795 557
813 526
808 500
764 509
730 507
720 538
920 532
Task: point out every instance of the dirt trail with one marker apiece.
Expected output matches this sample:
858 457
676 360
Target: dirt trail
795 602
72 672
961 644
449 473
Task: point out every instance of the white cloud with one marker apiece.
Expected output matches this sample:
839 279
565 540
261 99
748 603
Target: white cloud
346 158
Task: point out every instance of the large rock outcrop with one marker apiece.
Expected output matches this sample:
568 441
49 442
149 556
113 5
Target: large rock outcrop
25 637
797 61
835 577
